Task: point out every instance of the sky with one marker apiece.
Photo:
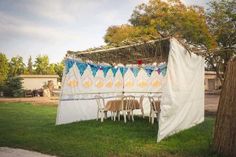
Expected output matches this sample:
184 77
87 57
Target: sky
52 27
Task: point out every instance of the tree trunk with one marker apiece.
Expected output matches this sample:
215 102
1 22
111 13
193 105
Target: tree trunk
225 127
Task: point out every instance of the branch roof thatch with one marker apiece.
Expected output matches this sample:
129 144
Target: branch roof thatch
149 52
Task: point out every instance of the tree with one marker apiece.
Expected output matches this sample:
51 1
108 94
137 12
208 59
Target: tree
117 34
58 68
51 69
13 87
124 34
221 18
30 66
17 66
4 69
41 64
158 18
225 126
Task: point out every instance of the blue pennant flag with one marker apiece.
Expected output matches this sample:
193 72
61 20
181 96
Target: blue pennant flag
82 67
94 69
149 71
162 66
105 69
114 71
123 70
163 71
68 64
135 71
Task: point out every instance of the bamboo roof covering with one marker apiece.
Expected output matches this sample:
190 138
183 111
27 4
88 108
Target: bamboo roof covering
154 51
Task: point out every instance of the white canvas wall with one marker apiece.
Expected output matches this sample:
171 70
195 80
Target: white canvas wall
182 104
78 90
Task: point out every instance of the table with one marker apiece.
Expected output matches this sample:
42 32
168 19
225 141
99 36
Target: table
116 105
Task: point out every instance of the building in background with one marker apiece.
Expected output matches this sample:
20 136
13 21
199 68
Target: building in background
212 82
32 82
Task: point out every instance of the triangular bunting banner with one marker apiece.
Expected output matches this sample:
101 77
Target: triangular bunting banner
163 71
162 66
68 64
82 67
105 69
94 69
149 71
114 71
135 71
123 70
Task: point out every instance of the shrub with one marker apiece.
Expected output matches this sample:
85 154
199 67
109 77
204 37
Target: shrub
13 87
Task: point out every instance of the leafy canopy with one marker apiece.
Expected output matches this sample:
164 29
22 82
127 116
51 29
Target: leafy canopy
42 65
221 18
58 68
157 17
17 66
4 68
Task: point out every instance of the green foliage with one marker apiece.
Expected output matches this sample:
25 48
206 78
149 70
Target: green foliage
4 69
41 65
17 66
13 87
166 18
221 17
124 34
216 29
222 21
116 34
30 66
58 68
33 128
51 69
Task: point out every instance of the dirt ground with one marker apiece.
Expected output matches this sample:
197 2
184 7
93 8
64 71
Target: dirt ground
211 104
33 100
211 101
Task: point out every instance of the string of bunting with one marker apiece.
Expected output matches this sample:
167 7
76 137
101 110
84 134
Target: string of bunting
161 69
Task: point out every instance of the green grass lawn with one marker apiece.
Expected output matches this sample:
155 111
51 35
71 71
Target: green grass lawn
31 127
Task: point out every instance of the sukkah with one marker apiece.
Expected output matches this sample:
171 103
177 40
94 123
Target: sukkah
161 67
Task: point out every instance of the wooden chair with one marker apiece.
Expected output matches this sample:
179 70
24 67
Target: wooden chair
101 112
127 107
154 110
141 105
